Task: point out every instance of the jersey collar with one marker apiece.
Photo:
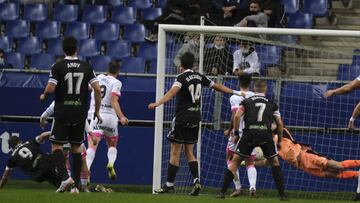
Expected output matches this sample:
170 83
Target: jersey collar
71 58
188 70
260 94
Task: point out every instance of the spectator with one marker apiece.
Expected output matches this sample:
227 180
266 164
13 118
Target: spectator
218 59
246 60
274 9
191 45
3 64
229 12
256 19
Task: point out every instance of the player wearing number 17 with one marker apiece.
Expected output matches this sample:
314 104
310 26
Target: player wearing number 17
185 125
69 79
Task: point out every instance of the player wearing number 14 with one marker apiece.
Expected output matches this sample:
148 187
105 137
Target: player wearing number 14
185 125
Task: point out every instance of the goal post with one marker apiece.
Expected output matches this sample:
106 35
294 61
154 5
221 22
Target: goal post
299 100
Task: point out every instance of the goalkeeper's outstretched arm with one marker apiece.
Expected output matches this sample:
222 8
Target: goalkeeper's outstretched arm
355 84
354 116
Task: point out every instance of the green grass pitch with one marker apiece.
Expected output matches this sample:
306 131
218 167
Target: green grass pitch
31 192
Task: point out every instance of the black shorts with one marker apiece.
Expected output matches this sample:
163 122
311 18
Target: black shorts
62 133
48 171
184 133
250 140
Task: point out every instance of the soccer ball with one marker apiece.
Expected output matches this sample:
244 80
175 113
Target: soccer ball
259 155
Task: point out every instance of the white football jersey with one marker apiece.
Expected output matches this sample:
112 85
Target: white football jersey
108 85
235 102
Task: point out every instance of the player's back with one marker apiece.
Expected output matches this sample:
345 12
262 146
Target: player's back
290 151
235 101
72 77
189 97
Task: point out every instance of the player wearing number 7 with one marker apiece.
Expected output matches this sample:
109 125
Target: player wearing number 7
185 125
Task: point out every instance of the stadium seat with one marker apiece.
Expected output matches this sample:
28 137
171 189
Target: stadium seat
356 60
65 12
9 11
147 50
288 39
316 8
42 61
269 55
140 4
118 49
291 6
5 43
54 46
123 15
48 29
114 3
15 59
153 66
161 3
107 31
89 47
100 62
133 65
17 28
94 14
79 30
151 13
135 33
300 20
29 45
35 12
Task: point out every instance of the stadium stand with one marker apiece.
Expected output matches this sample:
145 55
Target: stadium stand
17 28
100 62
17 60
35 12
118 49
89 47
140 4
135 33
300 20
48 29
29 45
151 13
65 13
54 46
94 14
123 15
5 43
79 30
147 50
133 65
9 11
291 6
107 31
42 61
316 8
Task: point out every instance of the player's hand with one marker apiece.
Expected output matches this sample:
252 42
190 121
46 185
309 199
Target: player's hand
97 115
351 125
43 97
124 120
42 122
152 106
227 133
328 94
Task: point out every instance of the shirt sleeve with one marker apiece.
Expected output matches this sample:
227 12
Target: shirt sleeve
10 165
177 82
54 75
276 111
253 61
49 111
92 76
206 81
117 88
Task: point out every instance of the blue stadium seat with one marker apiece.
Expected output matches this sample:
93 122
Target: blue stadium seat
140 4
9 11
123 15
114 3
79 30
118 49
291 6
17 28
161 3
15 59
348 72
94 14
356 59
153 66
42 61
147 50
316 8
100 62
300 20
89 47
29 45
269 55
66 13
54 46
48 29
289 39
151 13
133 65
107 31
35 12
135 33
5 43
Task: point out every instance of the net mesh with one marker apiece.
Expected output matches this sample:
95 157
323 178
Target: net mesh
298 70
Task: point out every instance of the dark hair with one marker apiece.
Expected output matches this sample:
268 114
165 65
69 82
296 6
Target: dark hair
114 67
260 86
256 2
187 60
69 46
245 80
2 51
13 141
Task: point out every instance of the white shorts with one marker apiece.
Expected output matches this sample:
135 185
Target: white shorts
107 128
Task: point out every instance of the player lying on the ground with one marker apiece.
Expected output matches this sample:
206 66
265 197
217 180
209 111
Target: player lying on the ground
29 158
84 175
306 159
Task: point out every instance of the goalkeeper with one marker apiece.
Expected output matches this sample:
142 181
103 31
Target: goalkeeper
304 158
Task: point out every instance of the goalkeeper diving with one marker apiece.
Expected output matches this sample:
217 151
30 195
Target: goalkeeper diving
303 157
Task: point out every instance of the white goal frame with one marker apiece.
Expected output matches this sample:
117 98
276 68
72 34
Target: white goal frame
161 63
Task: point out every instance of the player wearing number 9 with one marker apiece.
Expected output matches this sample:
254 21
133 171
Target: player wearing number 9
185 125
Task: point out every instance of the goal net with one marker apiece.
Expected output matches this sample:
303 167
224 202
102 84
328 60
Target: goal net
299 66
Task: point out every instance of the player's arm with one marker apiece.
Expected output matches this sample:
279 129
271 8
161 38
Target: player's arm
280 128
354 115
51 85
222 88
239 113
42 137
48 112
344 89
231 127
115 104
5 177
97 95
169 95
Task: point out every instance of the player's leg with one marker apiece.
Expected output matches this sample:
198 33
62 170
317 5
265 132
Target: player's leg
237 183
344 164
58 137
66 151
194 168
96 134
111 137
357 195
252 174
85 173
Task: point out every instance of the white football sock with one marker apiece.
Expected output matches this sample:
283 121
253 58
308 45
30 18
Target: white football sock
112 153
252 175
358 187
237 181
90 155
